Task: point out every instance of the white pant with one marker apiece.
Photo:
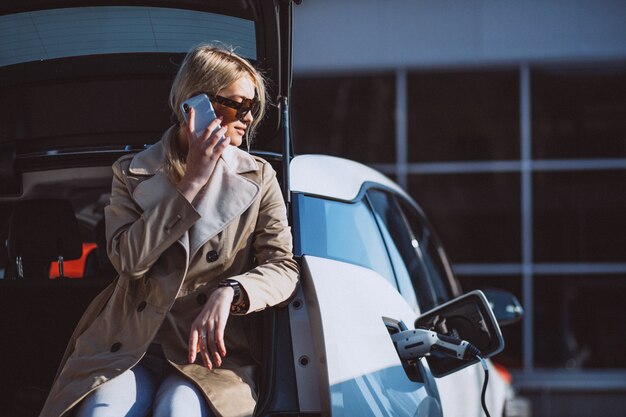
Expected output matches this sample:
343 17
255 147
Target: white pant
150 386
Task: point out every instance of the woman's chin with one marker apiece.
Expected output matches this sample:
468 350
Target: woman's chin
236 140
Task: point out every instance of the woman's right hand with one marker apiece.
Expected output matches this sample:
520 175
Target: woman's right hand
202 155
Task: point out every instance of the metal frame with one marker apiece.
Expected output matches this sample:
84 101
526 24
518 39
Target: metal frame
529 376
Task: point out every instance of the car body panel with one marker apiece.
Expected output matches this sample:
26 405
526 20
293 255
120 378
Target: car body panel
308 351
365 375
317 176
334 177
460 392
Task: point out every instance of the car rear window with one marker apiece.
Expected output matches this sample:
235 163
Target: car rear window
69 32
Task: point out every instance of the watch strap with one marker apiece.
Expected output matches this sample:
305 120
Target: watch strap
238 303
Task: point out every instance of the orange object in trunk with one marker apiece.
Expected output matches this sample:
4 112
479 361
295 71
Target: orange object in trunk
74 268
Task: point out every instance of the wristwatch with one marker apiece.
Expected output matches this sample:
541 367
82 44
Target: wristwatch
238 303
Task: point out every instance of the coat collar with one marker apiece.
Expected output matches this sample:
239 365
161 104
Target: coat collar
227 196
152 160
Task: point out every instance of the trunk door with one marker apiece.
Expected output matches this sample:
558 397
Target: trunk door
86 76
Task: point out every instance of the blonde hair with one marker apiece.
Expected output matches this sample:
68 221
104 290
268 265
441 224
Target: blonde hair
210 69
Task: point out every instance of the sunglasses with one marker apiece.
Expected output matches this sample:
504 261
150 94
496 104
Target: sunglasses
243 107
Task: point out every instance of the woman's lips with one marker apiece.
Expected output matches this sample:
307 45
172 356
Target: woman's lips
240 131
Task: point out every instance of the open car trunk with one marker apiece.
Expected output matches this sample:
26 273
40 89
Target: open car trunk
83 83
87 76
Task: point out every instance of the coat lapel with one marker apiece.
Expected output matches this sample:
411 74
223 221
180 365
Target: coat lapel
227 195
225 198
149 163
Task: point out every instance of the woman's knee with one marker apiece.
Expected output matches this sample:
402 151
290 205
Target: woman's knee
128 395
179 397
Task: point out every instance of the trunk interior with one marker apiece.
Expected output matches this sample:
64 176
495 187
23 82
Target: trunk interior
41 310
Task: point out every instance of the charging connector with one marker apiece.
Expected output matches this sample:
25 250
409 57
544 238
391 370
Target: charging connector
415 344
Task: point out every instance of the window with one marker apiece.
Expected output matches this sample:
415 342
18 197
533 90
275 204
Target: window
351 117
432 253
579 216
404 256
413 251
476 215
579 321
579 113
101 76
461 116
60 33
343 231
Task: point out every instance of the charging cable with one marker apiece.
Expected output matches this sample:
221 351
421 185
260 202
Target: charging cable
483 362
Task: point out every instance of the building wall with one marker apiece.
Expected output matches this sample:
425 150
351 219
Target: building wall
352 35
506 121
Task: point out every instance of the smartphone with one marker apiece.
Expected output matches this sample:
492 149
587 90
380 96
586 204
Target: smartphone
204 113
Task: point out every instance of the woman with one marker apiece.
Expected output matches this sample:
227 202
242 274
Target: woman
198 234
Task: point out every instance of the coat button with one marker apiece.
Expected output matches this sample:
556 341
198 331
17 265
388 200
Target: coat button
212 256
141 307
115 347
201 298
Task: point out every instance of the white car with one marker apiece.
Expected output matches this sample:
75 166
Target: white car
378 326
370 260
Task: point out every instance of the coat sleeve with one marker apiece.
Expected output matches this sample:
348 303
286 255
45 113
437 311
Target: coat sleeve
274 278
136 238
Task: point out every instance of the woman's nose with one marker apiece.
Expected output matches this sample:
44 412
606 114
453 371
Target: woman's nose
248 118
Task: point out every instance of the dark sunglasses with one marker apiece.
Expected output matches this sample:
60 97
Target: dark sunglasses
242 107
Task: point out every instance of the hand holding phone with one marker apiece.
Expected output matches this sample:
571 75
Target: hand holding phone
204 114
204 149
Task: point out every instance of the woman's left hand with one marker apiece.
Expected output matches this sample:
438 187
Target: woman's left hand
207 330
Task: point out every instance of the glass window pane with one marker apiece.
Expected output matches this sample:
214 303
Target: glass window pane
59 33
477 216
403 275
432 253
511 356
349 116
579 321
343 231
580 216
406 259
579 113
456 116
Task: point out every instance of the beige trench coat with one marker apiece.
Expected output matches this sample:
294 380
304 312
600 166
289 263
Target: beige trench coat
153 236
